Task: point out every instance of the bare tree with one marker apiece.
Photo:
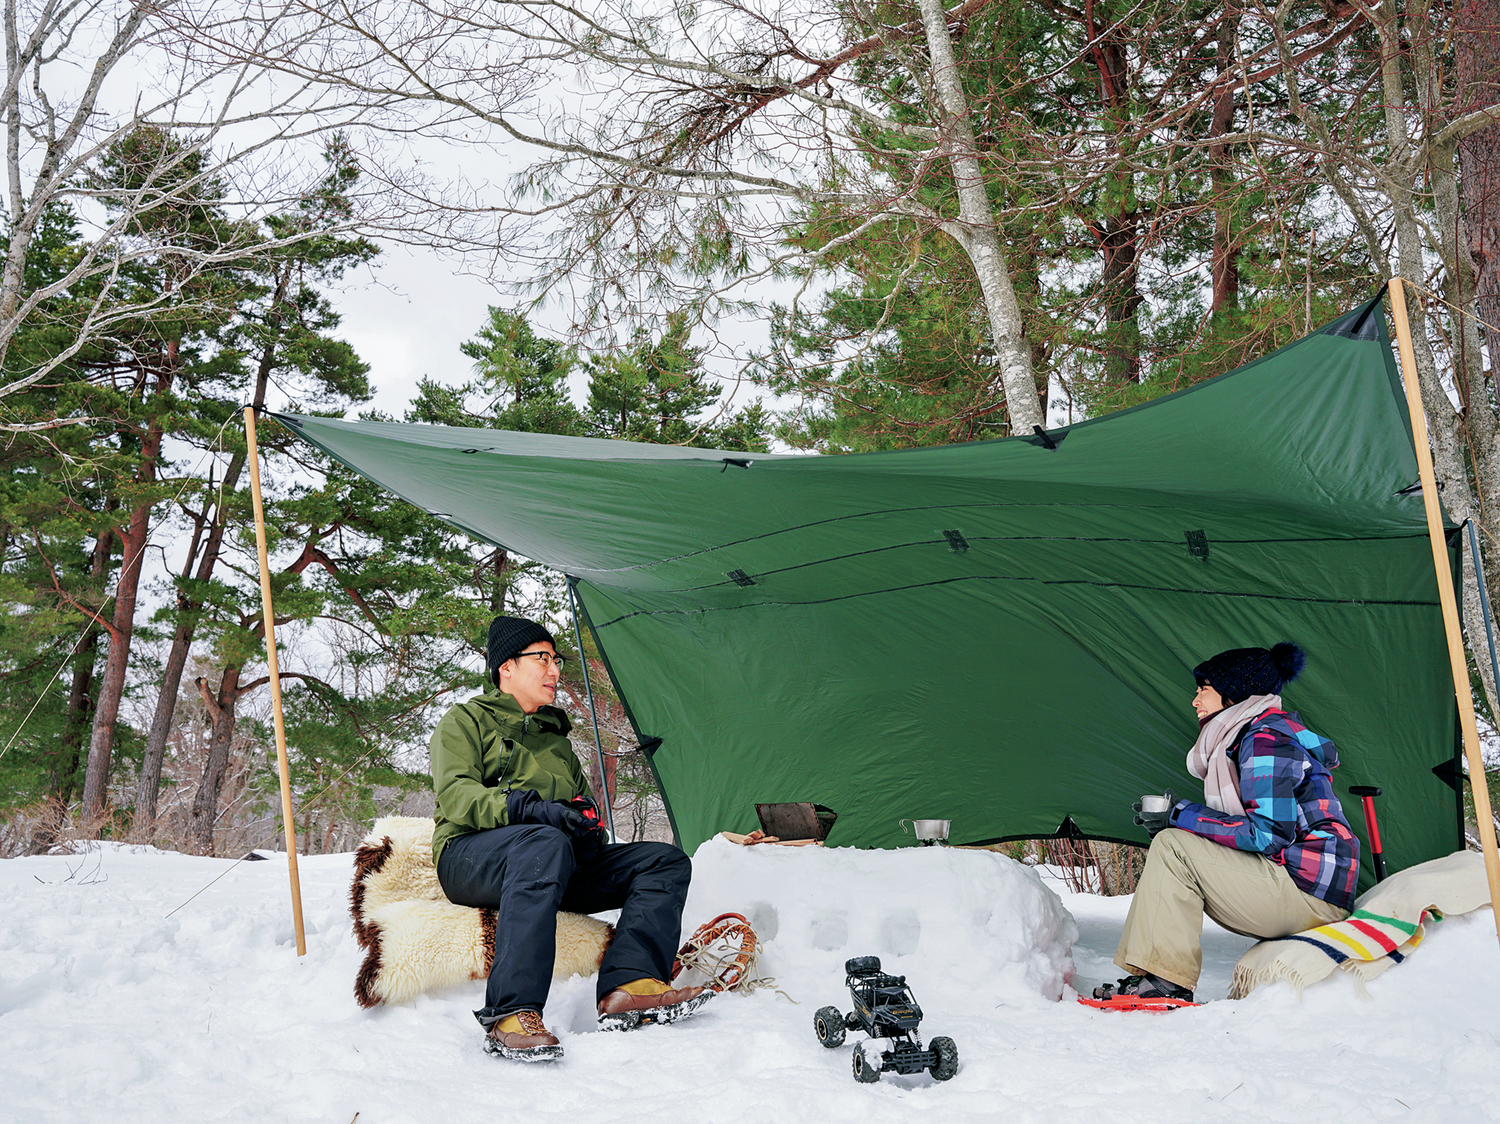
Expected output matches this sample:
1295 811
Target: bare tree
201 133
676 156
676 169
222 126
1386 135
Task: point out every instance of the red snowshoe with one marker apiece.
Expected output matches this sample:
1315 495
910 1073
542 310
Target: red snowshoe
1140 993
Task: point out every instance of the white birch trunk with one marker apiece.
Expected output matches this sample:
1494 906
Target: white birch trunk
976 230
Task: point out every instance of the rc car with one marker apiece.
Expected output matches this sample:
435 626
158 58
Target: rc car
885 1010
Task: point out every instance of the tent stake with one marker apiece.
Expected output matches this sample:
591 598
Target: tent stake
275 673
609 800
1460 665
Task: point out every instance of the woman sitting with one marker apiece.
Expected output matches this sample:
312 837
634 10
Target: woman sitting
1267 854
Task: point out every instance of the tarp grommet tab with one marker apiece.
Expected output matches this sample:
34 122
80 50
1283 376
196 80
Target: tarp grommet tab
739 577
1047 441
1451 773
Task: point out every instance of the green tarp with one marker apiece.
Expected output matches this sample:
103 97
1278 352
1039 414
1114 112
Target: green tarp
999 633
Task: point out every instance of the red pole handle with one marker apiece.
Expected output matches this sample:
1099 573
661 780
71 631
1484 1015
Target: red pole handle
1369 802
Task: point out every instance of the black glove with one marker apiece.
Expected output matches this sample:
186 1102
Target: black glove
523 805
1155 821
577 818
585 807
593 837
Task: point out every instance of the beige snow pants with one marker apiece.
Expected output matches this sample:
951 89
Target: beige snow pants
1187 876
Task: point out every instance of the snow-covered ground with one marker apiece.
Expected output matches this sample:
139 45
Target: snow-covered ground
112 1011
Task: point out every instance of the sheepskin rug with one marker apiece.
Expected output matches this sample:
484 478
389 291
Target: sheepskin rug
417 940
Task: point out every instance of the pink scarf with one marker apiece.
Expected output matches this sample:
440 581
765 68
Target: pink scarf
1208 760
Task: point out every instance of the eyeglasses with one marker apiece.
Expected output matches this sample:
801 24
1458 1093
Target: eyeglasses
547 659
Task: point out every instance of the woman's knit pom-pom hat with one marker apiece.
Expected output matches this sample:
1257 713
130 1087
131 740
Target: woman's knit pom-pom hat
1240 673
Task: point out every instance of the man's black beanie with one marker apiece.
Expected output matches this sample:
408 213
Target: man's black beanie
1241 673
510 636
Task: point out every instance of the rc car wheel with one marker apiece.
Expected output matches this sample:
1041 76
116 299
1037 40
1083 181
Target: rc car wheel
947 1064
862 966
828 1022
866 1069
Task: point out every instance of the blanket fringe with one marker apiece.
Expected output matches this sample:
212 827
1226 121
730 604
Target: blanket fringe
1386 926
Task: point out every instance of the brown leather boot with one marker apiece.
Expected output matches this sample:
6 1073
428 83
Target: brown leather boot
646 1001
521 1037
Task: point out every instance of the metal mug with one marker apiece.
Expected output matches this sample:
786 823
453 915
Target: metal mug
928 832
1154 803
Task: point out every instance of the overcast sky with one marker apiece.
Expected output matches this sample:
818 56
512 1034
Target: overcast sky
410 311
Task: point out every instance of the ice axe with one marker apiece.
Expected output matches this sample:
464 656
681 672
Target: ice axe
1367 794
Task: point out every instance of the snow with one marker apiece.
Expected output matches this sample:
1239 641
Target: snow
112 1010
969 922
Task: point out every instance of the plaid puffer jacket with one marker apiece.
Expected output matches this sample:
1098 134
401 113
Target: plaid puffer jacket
1292 815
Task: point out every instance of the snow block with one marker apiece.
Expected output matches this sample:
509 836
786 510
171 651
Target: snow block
972 917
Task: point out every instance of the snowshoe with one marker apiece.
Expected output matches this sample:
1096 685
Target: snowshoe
1140 993
527 1054
649 1016
522 1037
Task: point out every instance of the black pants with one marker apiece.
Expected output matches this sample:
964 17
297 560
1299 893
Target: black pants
527 872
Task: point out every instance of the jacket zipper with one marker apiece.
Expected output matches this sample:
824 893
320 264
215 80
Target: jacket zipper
511 784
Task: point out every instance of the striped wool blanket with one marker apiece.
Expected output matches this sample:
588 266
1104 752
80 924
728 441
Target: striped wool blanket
1386 926
1364 935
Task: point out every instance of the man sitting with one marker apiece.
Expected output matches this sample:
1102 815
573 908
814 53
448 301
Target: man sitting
517 832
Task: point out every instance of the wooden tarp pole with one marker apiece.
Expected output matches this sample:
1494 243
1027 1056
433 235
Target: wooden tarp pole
1456 658
275 673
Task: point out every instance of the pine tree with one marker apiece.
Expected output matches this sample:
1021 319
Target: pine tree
657 390
281 330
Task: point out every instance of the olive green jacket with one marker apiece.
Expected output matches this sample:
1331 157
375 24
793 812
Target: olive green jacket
484 748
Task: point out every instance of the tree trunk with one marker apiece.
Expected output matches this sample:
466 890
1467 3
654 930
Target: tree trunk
133 538
112 685
1447 447
216 766
1470 439
1477 49
1477 46
499 559
149 784
1226 270
975 229
80 711
148 787
1119 241
81 696
1476 428
1117 234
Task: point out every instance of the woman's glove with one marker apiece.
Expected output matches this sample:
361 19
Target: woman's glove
1155 821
